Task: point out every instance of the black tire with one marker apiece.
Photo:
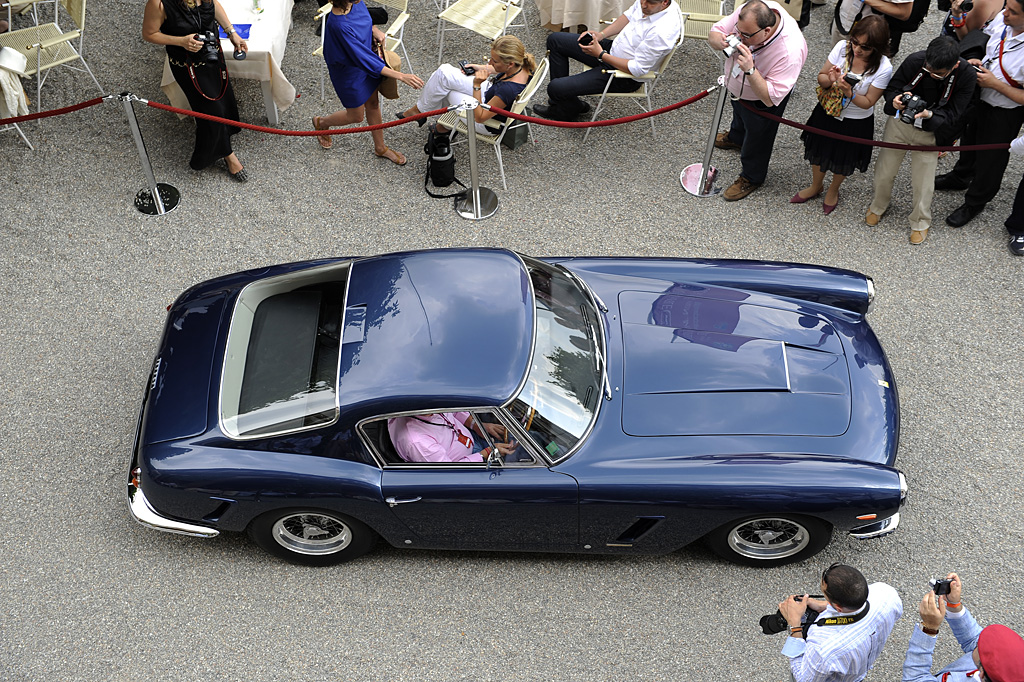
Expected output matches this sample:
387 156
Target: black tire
770 539
312 537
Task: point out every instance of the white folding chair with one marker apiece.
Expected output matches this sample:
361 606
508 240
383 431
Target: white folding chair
646 84
489 18
48 46
455 122
700 16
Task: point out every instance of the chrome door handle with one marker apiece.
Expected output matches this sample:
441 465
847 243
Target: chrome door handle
393 502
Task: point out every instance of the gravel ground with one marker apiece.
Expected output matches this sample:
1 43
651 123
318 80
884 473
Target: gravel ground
84 281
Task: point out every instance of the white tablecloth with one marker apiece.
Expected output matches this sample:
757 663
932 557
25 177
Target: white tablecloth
266 44
558 14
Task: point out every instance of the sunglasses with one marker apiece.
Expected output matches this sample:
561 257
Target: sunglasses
863 46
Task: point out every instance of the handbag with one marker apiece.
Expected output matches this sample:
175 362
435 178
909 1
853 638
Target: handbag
440 165
388 86
830 99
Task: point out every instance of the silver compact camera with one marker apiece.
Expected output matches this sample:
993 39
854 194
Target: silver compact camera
732 41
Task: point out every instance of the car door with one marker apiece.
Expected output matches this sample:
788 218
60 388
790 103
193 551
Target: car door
475 507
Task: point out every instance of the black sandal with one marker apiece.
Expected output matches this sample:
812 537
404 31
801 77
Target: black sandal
400 115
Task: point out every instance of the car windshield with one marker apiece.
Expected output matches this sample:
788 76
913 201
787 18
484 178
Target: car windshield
563 388
281 362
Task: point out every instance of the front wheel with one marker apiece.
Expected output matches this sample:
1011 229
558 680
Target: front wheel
312 537
770 540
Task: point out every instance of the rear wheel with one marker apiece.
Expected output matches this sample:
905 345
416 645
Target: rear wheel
770 540
312 537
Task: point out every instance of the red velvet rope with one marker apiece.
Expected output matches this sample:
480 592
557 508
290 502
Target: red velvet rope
878 143
51 112
295 133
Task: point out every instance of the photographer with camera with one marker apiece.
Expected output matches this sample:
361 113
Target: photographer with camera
997 117
645 33
765 51
188 30
992 654
925 99
836 639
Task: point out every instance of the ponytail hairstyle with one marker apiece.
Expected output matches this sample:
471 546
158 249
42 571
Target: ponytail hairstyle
512 51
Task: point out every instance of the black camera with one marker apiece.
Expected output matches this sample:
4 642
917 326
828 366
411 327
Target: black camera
210 51
774 623
940 587
913 105
852 78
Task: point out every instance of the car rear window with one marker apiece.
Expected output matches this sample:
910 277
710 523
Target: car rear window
281 363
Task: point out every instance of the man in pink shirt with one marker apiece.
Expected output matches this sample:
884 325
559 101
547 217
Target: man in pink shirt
761 72
443 437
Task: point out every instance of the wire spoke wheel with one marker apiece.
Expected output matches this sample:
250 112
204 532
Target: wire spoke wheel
312 533
769 538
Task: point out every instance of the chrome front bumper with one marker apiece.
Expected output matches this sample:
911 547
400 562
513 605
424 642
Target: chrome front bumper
877 529
143 512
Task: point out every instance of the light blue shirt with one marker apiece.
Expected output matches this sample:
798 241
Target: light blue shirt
918 665
845 653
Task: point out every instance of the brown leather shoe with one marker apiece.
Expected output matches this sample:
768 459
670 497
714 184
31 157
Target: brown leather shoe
722 141
872 218
918 236
739 189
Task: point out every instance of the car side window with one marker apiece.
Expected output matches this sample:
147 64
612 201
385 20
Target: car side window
445 438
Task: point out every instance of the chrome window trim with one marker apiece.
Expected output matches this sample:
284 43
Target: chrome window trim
601 400
533 337
227 344
503 417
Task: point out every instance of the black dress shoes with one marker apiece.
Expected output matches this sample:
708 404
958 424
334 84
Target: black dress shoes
551 113
1017 245
963 215
949 181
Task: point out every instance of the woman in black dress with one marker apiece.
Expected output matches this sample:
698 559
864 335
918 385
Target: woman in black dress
174 24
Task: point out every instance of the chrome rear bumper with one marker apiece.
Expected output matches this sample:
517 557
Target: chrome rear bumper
143 512
877 529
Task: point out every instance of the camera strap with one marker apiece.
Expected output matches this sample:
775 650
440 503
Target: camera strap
945 94
223 75
1002 41
844 620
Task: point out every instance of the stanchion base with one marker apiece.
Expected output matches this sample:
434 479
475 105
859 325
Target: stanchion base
690 179
168 194
488 205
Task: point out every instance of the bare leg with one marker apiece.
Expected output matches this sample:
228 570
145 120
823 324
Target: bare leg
373 117
817 182
411 111
344 117
832 195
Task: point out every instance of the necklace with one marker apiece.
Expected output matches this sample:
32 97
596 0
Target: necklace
506 76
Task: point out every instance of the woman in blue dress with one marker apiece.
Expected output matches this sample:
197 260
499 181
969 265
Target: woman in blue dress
356 72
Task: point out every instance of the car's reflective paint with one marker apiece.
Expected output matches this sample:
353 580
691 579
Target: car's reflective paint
640 493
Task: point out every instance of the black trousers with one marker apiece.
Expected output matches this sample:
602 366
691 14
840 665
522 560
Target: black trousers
564 90
756 136
984 170
1015 223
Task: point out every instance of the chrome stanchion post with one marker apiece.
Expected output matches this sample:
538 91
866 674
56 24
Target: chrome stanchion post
160 197
481 202
699 178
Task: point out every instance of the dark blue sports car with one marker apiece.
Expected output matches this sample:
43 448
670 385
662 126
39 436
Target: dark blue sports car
619 405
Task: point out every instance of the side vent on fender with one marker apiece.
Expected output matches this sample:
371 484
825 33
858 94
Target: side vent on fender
640 527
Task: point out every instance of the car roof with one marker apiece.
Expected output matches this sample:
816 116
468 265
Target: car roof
447 328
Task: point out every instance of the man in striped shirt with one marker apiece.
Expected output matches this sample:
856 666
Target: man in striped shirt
851 627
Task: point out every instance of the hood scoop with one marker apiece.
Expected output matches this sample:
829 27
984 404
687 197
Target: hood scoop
729 368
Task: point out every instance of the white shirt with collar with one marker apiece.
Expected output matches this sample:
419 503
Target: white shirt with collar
645 40
1013 61
845 653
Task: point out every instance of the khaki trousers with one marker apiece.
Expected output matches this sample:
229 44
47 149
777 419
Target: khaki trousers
922 171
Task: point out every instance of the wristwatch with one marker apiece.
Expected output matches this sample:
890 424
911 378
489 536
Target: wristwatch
750 71
600 57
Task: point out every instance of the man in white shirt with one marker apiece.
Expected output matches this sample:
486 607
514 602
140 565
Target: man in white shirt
996 118
646 32
853 623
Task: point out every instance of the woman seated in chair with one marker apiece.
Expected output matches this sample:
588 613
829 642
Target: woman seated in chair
445 437
496 83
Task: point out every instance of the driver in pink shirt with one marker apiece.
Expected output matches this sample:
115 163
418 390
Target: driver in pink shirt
444 437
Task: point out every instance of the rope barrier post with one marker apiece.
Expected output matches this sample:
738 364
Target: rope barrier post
160 197
699 178
481 203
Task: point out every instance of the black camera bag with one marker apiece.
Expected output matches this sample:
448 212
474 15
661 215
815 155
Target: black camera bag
440 165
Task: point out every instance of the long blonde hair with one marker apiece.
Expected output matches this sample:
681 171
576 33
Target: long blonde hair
512 51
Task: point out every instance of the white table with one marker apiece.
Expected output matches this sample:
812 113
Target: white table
266 44
559 14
